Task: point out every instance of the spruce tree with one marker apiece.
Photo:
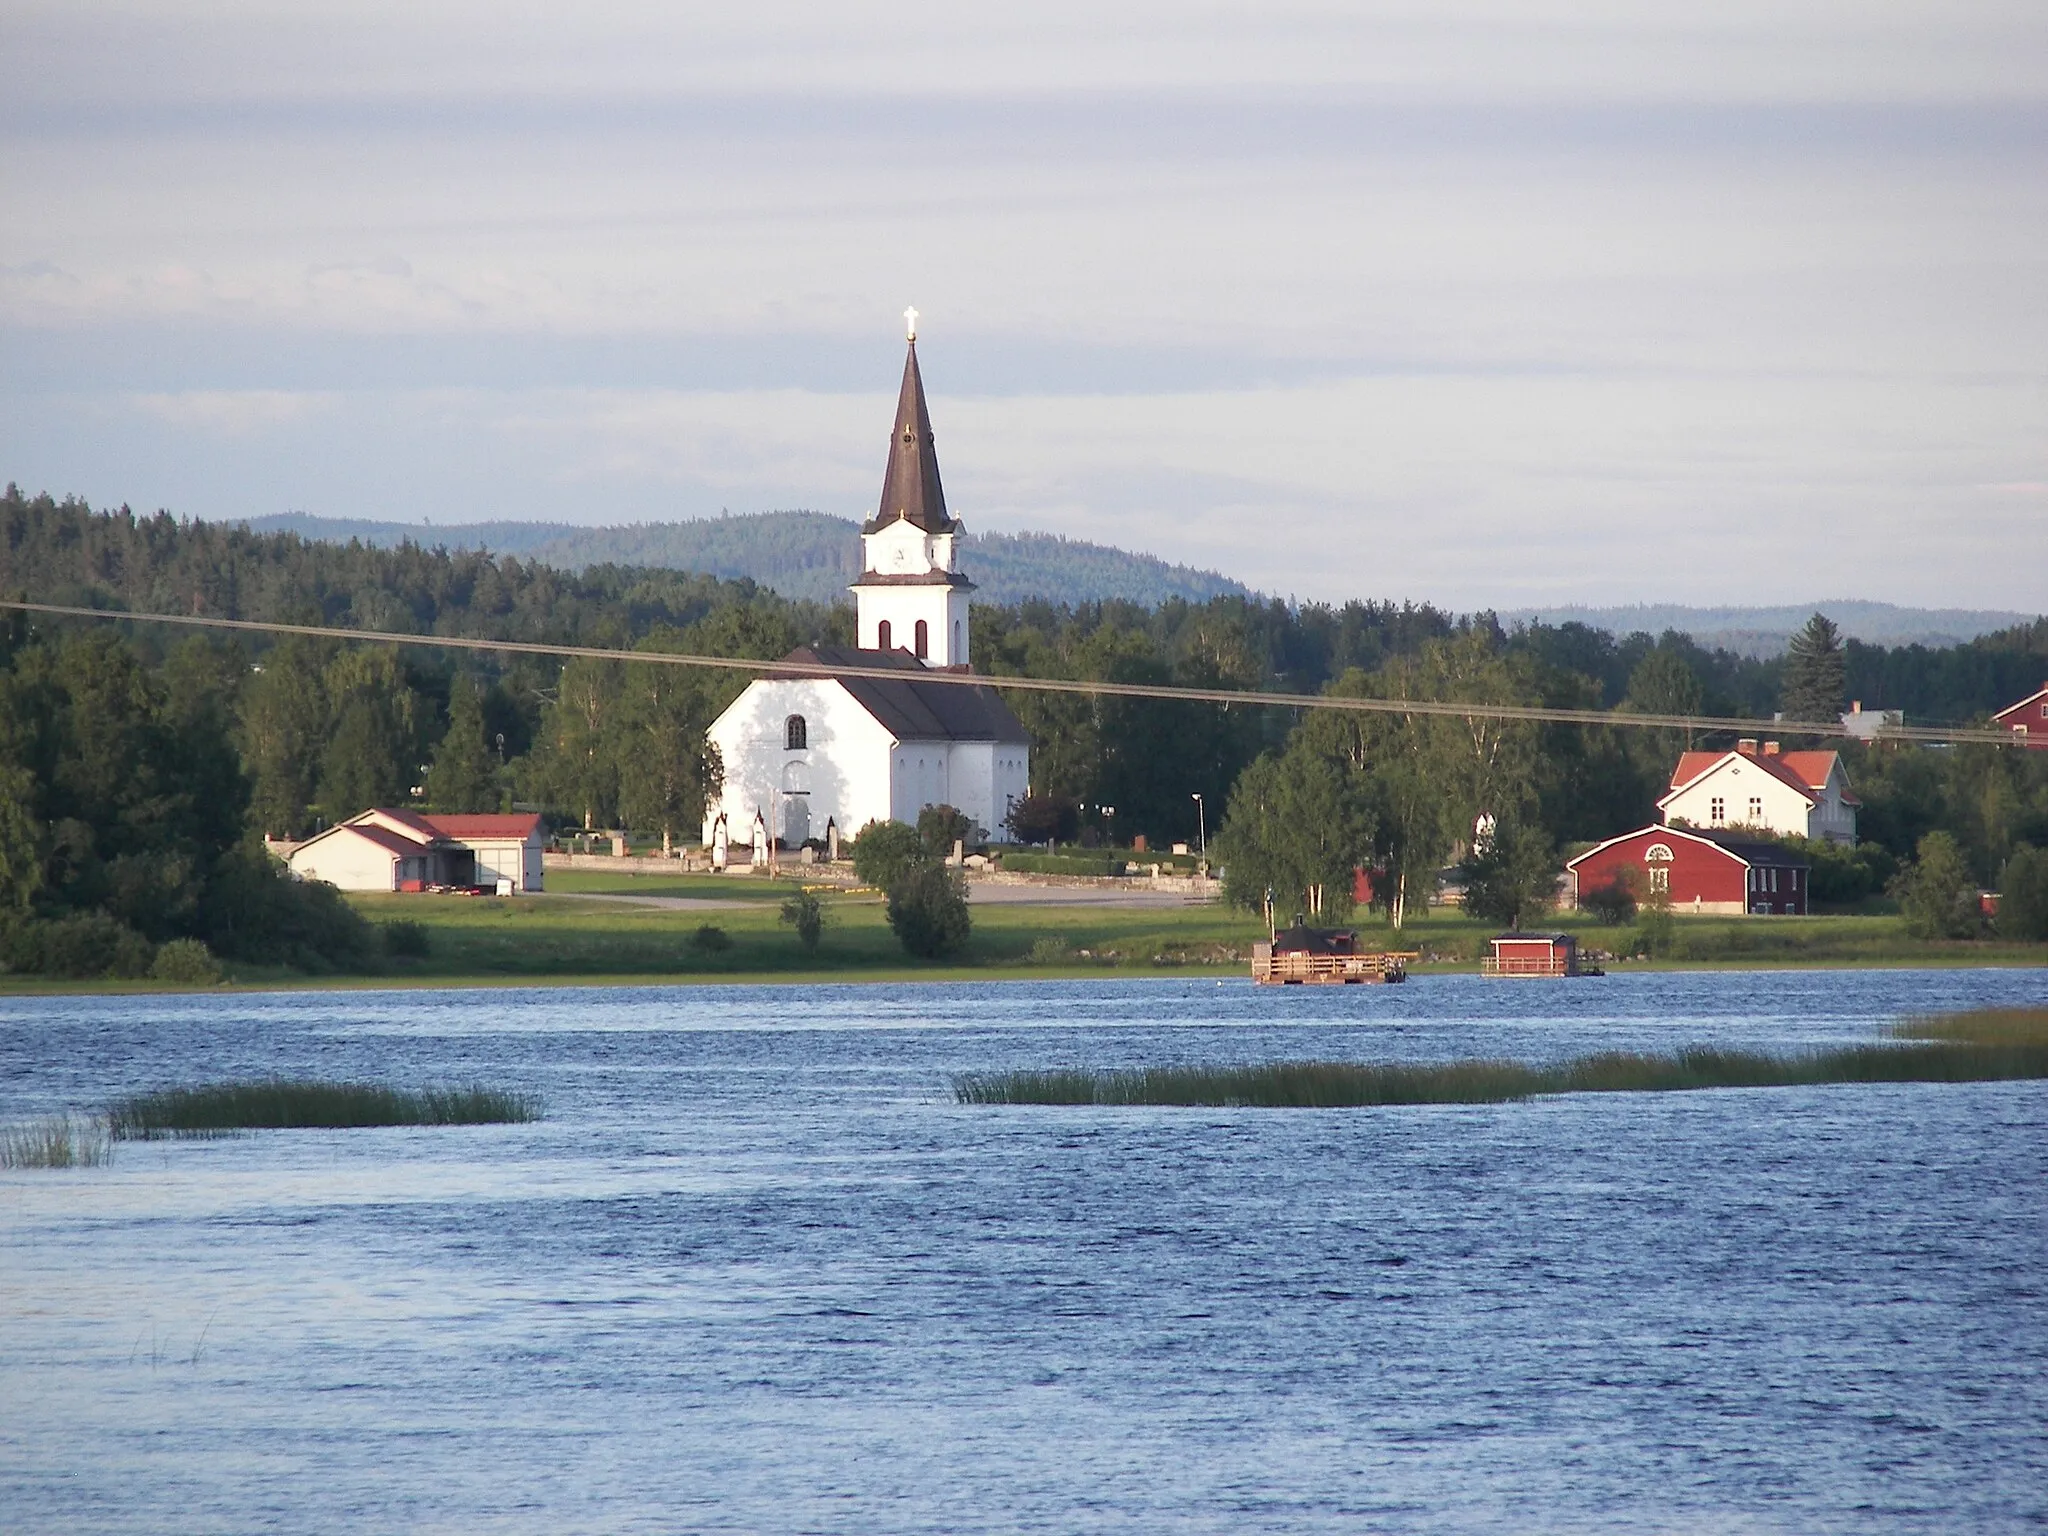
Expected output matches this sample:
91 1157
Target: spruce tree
464 774
1816 673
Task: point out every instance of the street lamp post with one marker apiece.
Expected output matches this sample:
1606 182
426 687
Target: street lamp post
1202 824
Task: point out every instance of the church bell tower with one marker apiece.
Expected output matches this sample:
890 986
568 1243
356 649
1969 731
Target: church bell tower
911 595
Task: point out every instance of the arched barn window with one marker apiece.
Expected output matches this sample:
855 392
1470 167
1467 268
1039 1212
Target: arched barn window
924 640
883 640
796 735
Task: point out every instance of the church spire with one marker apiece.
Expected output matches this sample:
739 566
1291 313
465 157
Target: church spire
910 486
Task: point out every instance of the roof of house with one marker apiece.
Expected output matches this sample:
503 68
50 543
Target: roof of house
421 829
916 708
2032 698
1748 850
488 828
391 842
1807 772
910 485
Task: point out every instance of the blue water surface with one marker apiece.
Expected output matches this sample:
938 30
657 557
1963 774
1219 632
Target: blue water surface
756 1271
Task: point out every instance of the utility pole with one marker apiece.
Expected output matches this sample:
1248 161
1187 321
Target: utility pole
1202 824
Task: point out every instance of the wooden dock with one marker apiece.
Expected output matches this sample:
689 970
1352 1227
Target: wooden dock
1298 969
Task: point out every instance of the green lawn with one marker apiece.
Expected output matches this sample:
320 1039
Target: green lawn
573 934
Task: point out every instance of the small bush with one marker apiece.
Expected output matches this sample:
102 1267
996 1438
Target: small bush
928 911
712 939
186 962
939 827
406 939
1051 950
83 946
885 852
1611 905
804 912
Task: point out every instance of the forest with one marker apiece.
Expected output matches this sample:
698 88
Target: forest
142 765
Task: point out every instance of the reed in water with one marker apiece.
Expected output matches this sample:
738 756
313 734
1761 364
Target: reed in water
1982 1046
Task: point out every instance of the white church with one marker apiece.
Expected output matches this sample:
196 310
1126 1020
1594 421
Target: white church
803 753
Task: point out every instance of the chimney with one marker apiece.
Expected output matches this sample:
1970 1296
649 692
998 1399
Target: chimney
1770 749
1746 746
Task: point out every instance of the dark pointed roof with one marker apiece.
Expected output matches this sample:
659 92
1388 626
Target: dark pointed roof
910 488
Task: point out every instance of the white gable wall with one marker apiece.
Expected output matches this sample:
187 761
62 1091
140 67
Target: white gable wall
844 769
1737 782
347 859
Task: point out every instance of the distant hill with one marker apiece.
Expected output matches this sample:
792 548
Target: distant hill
805 555
1765 632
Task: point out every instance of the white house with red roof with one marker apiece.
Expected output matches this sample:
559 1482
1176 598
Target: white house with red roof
2028 719
1795 794
399 850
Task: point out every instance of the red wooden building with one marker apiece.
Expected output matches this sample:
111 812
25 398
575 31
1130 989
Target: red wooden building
1697 871
1532 954
2028 719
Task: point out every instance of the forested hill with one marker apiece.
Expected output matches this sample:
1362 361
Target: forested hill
809 556
1765 632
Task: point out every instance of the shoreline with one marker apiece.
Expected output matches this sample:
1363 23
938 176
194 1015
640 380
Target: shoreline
27 987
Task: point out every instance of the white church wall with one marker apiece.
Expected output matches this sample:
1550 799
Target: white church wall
844 766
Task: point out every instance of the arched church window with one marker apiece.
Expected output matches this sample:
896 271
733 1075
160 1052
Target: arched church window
796 734
924 640
883 640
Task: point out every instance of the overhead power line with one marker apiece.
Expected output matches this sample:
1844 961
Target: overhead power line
1324 701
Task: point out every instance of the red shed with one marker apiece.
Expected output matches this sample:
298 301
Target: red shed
1698 871
1532 954
2028 719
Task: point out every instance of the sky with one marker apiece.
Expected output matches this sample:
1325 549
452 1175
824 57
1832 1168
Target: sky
1487 304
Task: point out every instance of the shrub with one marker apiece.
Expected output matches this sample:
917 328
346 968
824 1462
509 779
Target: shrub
1059 863
187 962
1612 904
1044 819
928 911
406 939
1936 893
1514 879
885 851
256 911
2023 896
712 939
939 827
82 946
804 912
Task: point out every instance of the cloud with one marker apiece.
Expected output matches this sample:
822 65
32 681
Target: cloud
231 412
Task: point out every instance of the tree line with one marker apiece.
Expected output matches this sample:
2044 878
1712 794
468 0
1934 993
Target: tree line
304 732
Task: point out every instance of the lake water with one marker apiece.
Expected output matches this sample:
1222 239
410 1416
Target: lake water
755 1271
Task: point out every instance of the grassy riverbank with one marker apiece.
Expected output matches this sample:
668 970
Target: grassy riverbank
1987 1046
592 928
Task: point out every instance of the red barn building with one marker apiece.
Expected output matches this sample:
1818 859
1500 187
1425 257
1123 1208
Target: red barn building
2028 719
1697 871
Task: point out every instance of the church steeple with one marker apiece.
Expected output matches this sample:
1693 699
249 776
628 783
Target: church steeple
910 486
911 595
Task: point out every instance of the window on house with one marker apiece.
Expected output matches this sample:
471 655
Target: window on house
1756 810
956 639
923 640
796 734
1717 811
1660 878
883 639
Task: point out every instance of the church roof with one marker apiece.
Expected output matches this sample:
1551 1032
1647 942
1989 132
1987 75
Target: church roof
910 486
915 708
